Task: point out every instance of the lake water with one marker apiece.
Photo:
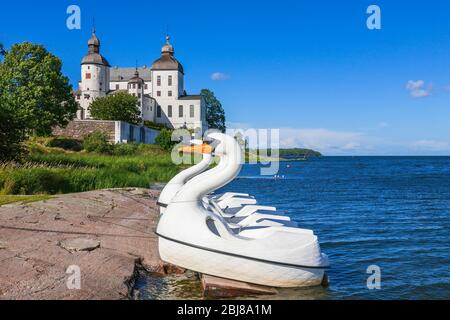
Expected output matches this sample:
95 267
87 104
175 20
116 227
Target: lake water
392 212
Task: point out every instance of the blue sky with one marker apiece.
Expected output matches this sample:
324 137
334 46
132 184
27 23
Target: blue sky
310 68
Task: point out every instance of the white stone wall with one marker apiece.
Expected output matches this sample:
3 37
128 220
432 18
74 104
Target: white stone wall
148 109
177 87
129 133
177 120
94 83
137 90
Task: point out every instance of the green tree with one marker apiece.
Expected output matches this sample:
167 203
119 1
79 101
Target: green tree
34 87
97 142
164 139
118 107
215 115
12 132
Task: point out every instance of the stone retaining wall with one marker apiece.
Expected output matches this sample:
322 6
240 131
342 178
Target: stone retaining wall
78 129
117 131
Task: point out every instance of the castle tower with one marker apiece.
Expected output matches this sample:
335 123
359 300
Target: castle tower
95 76
136 88
167 75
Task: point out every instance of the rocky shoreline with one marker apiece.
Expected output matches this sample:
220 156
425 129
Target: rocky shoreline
107 234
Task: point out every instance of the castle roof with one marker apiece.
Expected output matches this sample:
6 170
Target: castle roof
136 78
94 56
126 74
167 60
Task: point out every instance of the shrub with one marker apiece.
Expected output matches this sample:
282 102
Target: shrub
66 144
164 139
154 125
125 149
97 142
120 106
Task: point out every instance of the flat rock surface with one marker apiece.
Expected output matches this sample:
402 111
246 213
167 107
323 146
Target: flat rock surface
214 287
80 244
105 233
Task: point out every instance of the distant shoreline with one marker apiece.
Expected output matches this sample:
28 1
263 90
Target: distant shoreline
253 158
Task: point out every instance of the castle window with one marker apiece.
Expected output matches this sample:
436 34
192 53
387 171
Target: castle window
117 87
146 86
139 86
158 93
181 111
88 76
158 112
192 111
134 85
139 95
169 93
169 111
158 81
170 80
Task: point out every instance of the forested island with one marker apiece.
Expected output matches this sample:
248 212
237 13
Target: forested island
284 154
299 153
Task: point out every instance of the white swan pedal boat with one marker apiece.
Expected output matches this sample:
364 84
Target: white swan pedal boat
196 238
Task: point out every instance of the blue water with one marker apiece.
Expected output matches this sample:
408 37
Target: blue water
393 212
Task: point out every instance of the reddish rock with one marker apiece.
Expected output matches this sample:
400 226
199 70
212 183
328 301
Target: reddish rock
33 266
80 244
214 287
172 269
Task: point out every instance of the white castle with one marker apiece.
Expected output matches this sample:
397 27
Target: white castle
159 89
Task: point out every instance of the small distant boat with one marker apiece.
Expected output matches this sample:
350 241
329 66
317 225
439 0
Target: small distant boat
305 158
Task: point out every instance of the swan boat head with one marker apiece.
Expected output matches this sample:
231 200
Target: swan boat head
174 185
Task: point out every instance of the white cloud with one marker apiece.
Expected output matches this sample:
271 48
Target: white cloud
323 140
431 145
219 76
417 89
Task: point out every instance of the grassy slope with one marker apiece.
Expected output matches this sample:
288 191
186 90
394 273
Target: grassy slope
54 171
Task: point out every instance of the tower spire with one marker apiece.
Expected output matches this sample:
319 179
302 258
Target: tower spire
167 49
93 25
